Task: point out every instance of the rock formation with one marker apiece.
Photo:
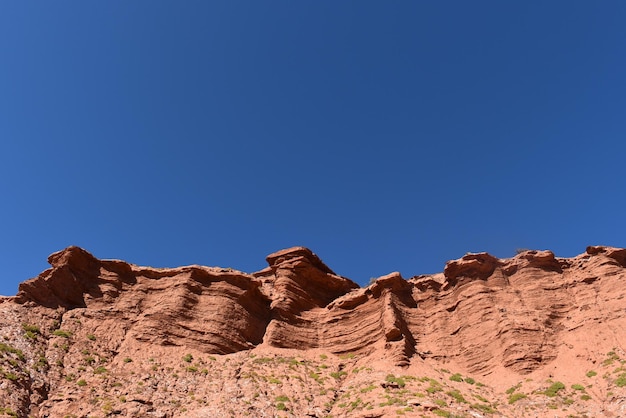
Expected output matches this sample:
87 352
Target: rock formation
92 337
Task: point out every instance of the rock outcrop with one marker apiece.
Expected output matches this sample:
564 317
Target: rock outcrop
500 320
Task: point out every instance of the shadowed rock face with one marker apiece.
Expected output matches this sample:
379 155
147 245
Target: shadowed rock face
482 314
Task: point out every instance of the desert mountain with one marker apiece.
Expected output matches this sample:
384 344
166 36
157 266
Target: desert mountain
530 336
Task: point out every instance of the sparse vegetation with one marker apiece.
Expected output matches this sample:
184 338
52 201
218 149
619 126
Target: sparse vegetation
611 356
4 348
397 380
554 389
100 370
11 376
621 380
62 333
31 331
31 328
514 397
591 373
434 387
487 409
338 375
368 388
7 411
188 358
457 396
456 377
513 389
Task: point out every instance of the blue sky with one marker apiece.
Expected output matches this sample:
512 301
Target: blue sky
383 135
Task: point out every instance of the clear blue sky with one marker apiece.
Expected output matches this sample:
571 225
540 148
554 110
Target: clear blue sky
383 135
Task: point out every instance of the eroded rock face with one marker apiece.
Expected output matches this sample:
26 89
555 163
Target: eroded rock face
483 316
518 306
210 309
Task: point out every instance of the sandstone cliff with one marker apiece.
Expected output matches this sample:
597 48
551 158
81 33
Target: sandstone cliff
487 337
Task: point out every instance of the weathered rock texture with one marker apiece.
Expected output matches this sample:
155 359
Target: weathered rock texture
92 337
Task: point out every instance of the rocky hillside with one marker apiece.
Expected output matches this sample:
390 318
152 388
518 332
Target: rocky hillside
530 336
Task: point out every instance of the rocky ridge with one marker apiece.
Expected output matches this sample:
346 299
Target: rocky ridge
92 337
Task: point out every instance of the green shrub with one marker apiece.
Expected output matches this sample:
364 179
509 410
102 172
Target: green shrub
91 337
11 376
480 398
338 375
128 360
368 389
81 382
591 373
42 362
8 411
576 386
621 380
397 380
469 380
513 389
514 397
457 396
456 377
282 398
434 388
281 406
554 389
487 409
62 333
100 370
585 397
31 328
4 348
611 357
188 358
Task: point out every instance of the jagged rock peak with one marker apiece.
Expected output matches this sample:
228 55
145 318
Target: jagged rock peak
618 254
288 254
73 256
475 265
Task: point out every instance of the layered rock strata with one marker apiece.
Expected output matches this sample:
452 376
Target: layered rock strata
518 306
534 314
